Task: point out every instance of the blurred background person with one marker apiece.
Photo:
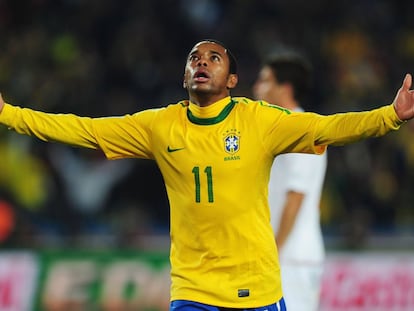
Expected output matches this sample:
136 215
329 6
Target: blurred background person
295 187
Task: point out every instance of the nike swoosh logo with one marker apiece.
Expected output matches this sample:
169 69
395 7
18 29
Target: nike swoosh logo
169 149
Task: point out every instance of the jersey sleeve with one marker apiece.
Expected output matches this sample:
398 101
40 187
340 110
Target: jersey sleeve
129 136
306 132
285 131
343 128
118 137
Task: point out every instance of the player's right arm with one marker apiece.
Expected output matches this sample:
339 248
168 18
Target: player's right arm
118 137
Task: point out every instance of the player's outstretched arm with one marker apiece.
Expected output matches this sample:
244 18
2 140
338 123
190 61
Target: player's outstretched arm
404 100
64 128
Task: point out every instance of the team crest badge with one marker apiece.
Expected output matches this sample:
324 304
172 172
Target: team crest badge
232 142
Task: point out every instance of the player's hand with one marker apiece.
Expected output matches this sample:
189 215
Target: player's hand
1 103
404 101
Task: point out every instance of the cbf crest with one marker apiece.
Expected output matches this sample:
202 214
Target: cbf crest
231 141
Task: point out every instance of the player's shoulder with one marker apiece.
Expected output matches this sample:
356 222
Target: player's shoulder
243 100
170 108
259 104
166 111
180 105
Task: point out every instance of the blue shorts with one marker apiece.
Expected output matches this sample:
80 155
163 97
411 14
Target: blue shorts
188 305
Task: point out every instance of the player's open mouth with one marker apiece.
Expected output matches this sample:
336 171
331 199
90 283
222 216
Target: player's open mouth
201 76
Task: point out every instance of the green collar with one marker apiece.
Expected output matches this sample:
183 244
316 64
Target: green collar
210 121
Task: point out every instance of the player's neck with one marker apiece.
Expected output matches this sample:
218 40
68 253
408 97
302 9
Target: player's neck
204 99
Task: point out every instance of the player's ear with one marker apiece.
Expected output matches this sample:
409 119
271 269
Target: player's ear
232 81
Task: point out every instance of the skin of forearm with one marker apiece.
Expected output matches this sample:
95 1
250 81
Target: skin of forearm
290 211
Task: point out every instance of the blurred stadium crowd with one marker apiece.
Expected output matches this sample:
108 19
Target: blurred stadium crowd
102 57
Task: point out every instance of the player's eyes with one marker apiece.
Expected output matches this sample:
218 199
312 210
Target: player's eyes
213 58
193 58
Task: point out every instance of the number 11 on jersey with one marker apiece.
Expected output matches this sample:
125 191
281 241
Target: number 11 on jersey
209 177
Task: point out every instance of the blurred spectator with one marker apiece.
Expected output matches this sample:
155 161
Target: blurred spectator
87 178
7 221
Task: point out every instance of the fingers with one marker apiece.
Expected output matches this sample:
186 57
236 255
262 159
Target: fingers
407 82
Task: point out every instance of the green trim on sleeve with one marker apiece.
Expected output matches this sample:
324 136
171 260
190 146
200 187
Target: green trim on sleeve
266 104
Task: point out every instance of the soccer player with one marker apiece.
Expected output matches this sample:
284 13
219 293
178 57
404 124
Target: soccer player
295 186
215 152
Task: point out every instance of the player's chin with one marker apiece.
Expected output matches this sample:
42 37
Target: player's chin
201 88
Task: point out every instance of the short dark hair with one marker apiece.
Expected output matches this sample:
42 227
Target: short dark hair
232 59
294 68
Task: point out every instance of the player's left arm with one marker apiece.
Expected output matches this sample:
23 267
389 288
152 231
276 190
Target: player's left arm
344 128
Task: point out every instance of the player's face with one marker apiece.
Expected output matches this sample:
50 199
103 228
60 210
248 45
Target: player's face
207 70
267 88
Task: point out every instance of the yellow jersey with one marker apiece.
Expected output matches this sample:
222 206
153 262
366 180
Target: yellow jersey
215 162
